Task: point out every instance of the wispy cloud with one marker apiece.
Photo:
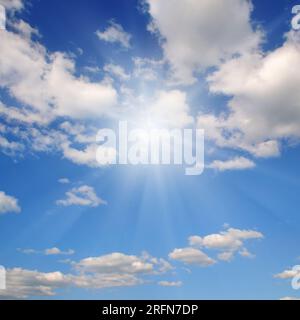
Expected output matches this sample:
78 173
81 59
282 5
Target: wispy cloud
115 33
48 252
170 283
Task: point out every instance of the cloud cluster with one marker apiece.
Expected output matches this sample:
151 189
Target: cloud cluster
118 269
112 270
227 243
263 108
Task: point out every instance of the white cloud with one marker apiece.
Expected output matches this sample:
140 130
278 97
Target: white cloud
226 255
92 69
22 283
147 69
238 163
121 263
191 256
26 116
201 34
24 29
169 109
264 106
289 298
228 242
116 71
90 155
2 18
108 271
265 149
86 156
14 5
57 251
288 274
64 181
116 263
8 204
48 252
10 147
45 82
170 283
81 196
245 253
115 34
224 134
79 132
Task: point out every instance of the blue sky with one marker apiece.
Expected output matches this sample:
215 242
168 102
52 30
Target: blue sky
72 229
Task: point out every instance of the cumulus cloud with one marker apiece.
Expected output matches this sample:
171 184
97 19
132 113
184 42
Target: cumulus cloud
210 31
81 196
108 271
115 34
261 84
191 256
8 204
263 110
238 163
116 263
23 284
46 83
228 242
